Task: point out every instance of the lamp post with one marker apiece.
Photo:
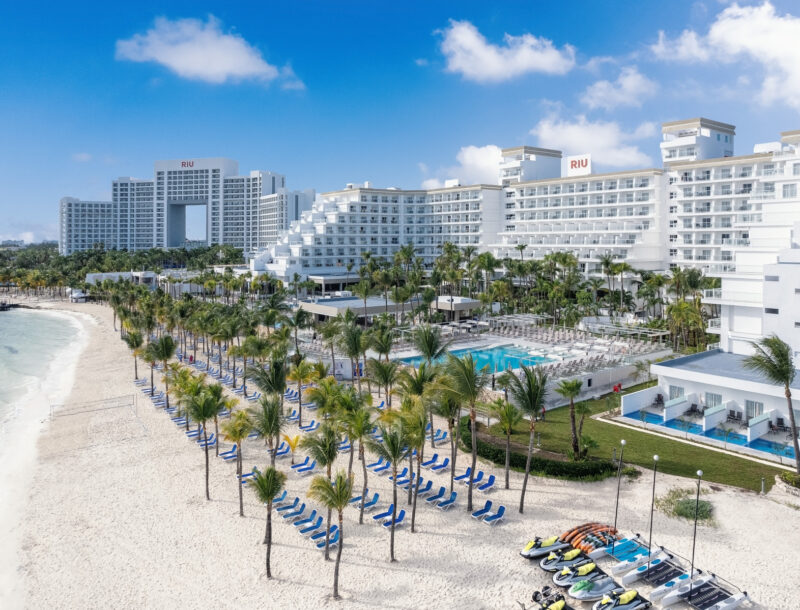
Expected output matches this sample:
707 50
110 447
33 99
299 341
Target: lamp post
652 509
694 535
616 504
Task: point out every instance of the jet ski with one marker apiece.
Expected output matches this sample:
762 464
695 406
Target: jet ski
587 570
549 599
592 590
625 600
539 547
559 560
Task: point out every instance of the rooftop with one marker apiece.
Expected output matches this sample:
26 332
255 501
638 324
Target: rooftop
671 126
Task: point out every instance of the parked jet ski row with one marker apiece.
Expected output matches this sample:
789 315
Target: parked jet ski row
572 558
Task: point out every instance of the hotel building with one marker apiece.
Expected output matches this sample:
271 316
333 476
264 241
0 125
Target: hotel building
247 212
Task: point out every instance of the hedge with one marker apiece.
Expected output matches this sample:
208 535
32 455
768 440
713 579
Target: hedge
791 478
590 469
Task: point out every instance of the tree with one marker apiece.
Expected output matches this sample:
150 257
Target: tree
528 392
449 407
293 442
333 495
134 341
268 485
301 373
466 383
363 290
300 319
521 248
358 426
235 431
393 449
161 350
267 419
201 408
385 374
428 340
415 384
415 421
271 380
571 389
351 344
323 447
507 416
772 358
330 331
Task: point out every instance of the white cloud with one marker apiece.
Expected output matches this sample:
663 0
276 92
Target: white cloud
476 165
609 144
630 88
755 33
198 50
81 157
469 53
421 61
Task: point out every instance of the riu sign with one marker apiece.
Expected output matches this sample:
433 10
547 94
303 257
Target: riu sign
187 163
579 165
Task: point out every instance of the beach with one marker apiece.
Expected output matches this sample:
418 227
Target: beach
115 516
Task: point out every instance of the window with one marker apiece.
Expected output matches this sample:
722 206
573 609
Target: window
753 408
789 190
713 400
771 278
675 391
770 310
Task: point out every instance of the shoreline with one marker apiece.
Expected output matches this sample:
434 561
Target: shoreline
21 429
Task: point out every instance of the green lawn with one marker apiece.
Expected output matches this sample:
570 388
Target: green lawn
674 457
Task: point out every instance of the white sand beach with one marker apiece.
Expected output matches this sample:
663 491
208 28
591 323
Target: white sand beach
116 517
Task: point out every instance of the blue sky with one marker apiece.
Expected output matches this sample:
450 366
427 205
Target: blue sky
402 94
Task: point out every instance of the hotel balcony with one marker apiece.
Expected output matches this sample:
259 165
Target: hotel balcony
718 296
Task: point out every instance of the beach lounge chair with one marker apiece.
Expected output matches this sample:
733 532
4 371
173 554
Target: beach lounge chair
291 506
382 469
425 489
307 470
212 440
401 476
283 451
254 396
249 475
194 432
442 466
380 406
404 483
321 534
397 521
370 503
332 541
301 464
497 517
449 502
357 499
230 454
305 521
294 514
344 446
482 512
308 426
313 527
478 478
384 514
438 438
431 461
375 464
488 485
279 500
254 434
313 428
293 417
464 476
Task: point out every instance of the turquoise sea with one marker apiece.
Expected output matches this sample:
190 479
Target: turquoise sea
30 341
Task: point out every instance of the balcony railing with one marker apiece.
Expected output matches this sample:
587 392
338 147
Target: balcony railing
715 323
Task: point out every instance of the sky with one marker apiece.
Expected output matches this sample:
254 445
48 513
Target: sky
403 94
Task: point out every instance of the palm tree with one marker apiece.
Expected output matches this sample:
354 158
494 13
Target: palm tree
217 391
161 350
201 408
393 449
415 384
465 382
449 407
521 248
267 486
528 392
358 426
507 416
301 373
385 374
235 431
323 447
267 419
293 442
333 495
415 422
134 340
351 344
272 380
300 319
428 340
571 389
330 331
772 358
363 290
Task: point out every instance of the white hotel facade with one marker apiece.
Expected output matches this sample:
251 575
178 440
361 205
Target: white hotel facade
247 212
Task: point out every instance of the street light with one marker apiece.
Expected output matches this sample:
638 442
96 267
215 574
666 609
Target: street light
616 504
652 508
694 535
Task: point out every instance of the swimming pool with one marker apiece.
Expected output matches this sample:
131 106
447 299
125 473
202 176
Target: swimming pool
498 358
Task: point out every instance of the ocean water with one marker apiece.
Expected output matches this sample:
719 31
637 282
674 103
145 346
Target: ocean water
30 342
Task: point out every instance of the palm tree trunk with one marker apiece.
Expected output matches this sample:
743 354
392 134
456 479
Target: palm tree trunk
239 479
527 467
205 443
268 537
575 445
411 470
394 512
364 490
508 456
474 439
338 558
152 383
453 453
793 426
135 368
328 535
416 487
333 364
216 433
350 463
430 419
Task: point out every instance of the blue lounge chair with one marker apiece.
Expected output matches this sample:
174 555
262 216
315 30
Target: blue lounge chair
375 464
332 541
478 478
302 464
398 520
293 417
442 466
371 503
308 426
224 413
306 520
441 438
449 502
279 448
282 451
306 470
212 440
488 485
384 514
297 512
313 428
402 475
254 396
286 507
321 535
464 476
406 482
430 462
497 517
382 469
357 499
344 447
249 475
254 434
279 500
380 406
312 527
179 421
424 490
194 433
481 513
229 453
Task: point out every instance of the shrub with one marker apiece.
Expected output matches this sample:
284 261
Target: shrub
631 472
791 478
585 470
685 508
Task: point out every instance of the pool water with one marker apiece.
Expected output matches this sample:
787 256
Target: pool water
786 451
684 426
498 358
734 438
649 418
